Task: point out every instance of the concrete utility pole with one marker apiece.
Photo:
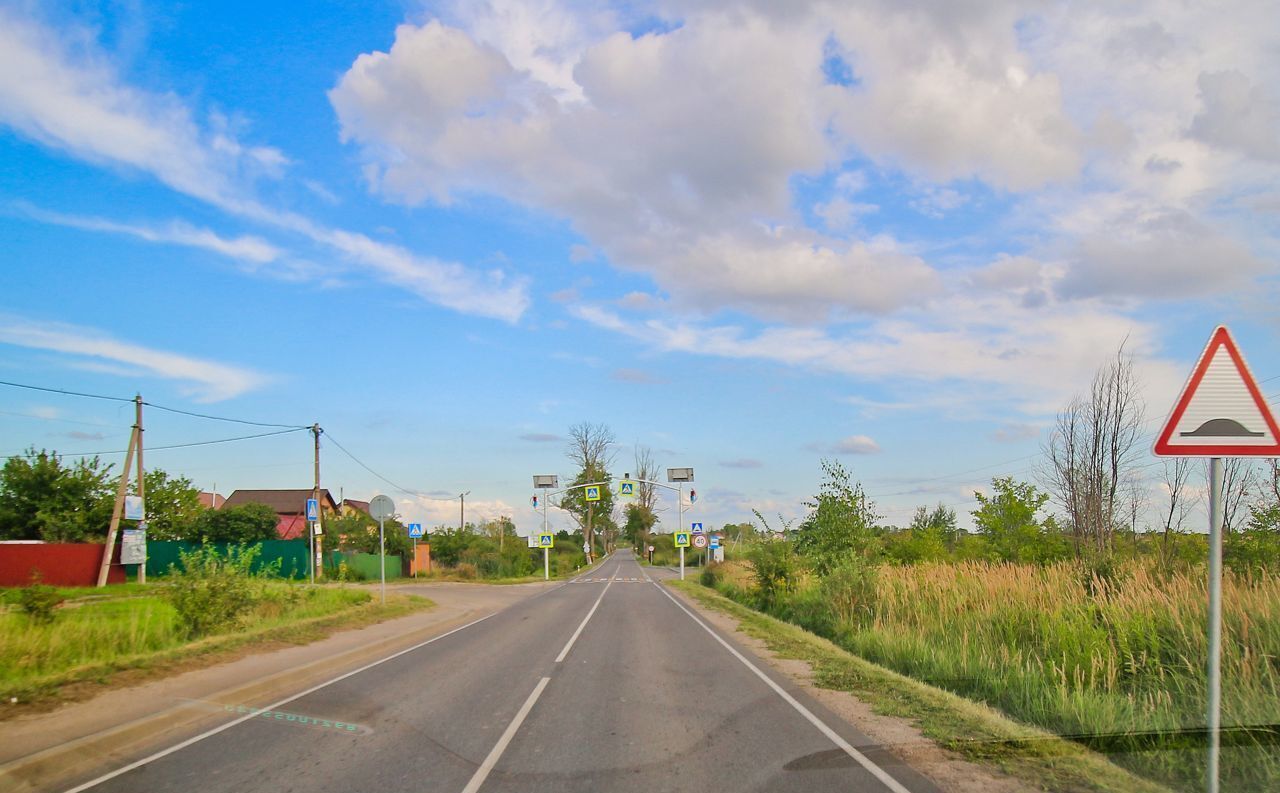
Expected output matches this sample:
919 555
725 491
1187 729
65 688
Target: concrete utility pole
142 482
311 532
135 447
462 511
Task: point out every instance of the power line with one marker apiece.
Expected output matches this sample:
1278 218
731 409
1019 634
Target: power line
171 446
362 464
64 392
224 418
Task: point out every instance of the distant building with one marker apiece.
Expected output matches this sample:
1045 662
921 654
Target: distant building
290 507
350 506
212 500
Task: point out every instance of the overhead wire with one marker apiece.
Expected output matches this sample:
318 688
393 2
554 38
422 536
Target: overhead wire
365 466
170 446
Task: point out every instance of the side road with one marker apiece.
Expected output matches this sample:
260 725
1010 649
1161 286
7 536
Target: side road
38 750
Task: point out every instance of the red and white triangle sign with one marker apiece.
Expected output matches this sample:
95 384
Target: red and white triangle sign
1221 412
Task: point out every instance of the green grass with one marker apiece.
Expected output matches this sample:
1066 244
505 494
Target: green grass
9 595
1117 664
99 639
975 731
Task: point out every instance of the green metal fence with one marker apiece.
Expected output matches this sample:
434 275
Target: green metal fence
362 566
292 555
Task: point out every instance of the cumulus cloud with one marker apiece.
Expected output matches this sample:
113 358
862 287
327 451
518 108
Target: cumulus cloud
202 379
60 91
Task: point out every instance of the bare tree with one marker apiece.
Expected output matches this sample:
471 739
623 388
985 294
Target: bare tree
1090 453
646 470
1176 472
1239 478
591 449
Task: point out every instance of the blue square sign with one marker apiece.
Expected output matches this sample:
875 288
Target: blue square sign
696 528
313 509
415 530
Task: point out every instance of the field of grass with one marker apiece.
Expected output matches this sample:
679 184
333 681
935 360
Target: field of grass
101 637
1116 664
9 595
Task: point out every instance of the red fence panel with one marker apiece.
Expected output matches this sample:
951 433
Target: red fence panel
60 564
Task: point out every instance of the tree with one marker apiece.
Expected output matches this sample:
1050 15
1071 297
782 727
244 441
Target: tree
1008 519
1239 477
243 524
841 522
591 450
1091 452
41 499
1176 472
172 505
642 514
930 535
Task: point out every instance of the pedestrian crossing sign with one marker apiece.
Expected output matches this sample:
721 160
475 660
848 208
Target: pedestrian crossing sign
593 493
627 489
546 540
682 539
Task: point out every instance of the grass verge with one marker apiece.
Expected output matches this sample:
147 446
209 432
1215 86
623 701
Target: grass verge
976 732
125 641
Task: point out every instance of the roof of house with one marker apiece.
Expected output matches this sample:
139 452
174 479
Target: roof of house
363 506
284 502
212 500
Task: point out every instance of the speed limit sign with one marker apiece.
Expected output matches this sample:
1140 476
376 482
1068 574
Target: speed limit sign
699 541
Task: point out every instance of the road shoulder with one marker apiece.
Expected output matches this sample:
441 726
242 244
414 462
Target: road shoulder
43 749
968 747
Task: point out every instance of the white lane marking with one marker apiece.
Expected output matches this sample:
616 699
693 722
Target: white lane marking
482 773
273 706
863 760
574 637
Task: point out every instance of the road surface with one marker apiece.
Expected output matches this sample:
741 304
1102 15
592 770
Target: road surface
606 683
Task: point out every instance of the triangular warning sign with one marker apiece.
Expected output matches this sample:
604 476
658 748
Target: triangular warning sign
1221 412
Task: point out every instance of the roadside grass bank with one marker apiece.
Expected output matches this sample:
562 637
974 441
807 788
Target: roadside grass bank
103 642
975 731
10 596
1113 659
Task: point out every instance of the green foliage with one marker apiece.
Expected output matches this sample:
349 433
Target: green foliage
709 576
1255 550
172 505
212 590
841 522
850 592
243 524
39 601
774 570
1008 519
42 499
359 532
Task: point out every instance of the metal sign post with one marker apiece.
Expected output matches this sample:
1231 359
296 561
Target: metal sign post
381 508
1220 413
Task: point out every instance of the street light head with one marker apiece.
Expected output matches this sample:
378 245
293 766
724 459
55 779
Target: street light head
679 474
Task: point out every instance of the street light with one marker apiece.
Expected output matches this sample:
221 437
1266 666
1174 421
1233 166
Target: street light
545 482
462 511
680 476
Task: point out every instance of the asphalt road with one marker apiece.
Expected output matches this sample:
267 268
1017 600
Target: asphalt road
606 683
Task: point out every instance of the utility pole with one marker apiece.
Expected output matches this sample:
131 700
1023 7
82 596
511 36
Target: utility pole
142 484
311 532
462 511
135 438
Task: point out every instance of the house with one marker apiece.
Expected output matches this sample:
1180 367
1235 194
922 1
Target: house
212 500
350 506
290 507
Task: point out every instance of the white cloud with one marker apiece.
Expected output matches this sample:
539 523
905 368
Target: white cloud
245 247
63 93
202 379
856 444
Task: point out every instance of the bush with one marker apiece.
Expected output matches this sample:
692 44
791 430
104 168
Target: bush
774 569
850 591
709 577
465 570
39 601
213 591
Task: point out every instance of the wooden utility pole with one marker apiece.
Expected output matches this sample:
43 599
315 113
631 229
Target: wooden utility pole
311 532
142 484
135 446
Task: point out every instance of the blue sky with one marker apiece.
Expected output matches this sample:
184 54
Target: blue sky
898 234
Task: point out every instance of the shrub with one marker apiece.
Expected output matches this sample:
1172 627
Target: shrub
39 601
709 577
465 570
774 569
213 591
850 591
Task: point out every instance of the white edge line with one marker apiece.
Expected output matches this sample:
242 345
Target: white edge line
482 773
832 735
583 624
274 705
